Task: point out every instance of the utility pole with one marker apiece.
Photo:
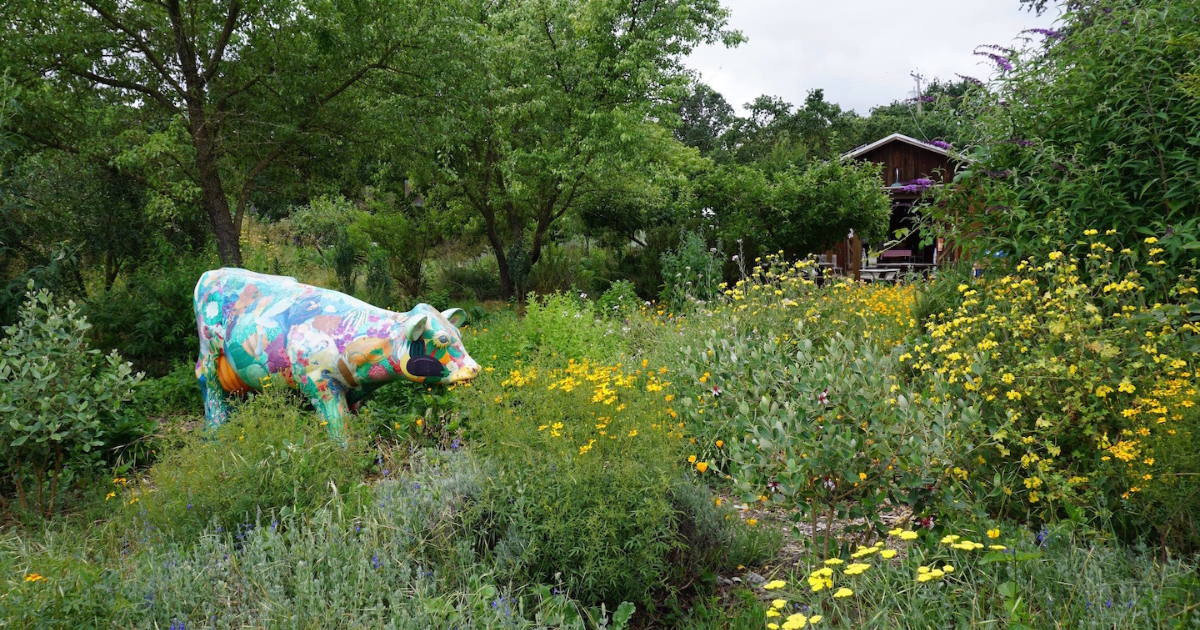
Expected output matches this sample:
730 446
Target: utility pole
917 76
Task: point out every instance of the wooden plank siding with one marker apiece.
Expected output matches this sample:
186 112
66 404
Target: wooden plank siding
909 161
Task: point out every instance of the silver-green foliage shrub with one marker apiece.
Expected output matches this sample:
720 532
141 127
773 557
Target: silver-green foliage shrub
54 392
392 562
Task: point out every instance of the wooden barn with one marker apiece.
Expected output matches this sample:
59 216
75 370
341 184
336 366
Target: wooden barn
910 167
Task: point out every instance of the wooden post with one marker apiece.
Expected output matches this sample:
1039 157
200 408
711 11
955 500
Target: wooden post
855 262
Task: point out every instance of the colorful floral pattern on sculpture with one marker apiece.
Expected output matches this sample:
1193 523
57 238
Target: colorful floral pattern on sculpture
332 347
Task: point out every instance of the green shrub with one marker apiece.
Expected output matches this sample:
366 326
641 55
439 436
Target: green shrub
321 222
270 455
715 539
691 273
571 268
54 393
391 562
475 279
1170 499
1016 580
587 470
149 318
379 284
346 256
619 301
570 327
174 393
1071 366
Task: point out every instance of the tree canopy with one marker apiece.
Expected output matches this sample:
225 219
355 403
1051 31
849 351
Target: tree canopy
199 99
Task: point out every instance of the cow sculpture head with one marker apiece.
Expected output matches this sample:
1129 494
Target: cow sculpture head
431 348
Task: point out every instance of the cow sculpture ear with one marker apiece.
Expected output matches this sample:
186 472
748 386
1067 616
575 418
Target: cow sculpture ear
455 316
415 327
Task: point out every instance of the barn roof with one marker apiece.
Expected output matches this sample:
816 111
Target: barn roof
894 138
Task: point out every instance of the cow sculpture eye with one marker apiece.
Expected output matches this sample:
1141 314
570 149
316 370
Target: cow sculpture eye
441 339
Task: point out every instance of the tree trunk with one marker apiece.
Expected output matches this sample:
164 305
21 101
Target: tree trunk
507 290
212 194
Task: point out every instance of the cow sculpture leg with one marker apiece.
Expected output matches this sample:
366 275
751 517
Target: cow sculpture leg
313 356
329 400
216 410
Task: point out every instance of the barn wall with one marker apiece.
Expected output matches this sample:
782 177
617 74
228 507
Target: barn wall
913 162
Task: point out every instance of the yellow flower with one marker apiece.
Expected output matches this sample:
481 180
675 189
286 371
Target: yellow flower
856 568
34 577
774 584
993 533
815 618
633 433
862 476
702 466
949 539
843 592
908 535
1150 240
720 443
110 495
997 547
691 459
772 626
752 522
888 554
895 532
948 569
772 613
833 561
795 622
779 603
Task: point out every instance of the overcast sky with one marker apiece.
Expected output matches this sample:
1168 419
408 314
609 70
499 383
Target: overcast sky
860 51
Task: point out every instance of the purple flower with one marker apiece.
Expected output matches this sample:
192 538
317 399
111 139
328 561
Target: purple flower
454 445
1002 62
1048 33
917 185
1019 142
971 80
941 144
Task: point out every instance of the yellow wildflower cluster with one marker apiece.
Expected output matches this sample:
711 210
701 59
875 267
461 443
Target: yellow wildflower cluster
1058 350
594 399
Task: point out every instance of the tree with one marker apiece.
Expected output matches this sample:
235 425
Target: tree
1090 127
704 116
800 210
941 117
556 98
202 97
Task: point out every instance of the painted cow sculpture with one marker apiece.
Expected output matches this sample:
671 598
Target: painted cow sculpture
333 348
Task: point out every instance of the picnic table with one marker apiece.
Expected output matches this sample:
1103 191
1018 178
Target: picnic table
873 274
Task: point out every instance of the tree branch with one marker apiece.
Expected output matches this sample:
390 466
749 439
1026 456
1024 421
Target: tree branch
138 42
126 85
214 61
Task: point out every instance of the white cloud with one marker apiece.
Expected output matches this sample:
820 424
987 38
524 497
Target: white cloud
859 51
